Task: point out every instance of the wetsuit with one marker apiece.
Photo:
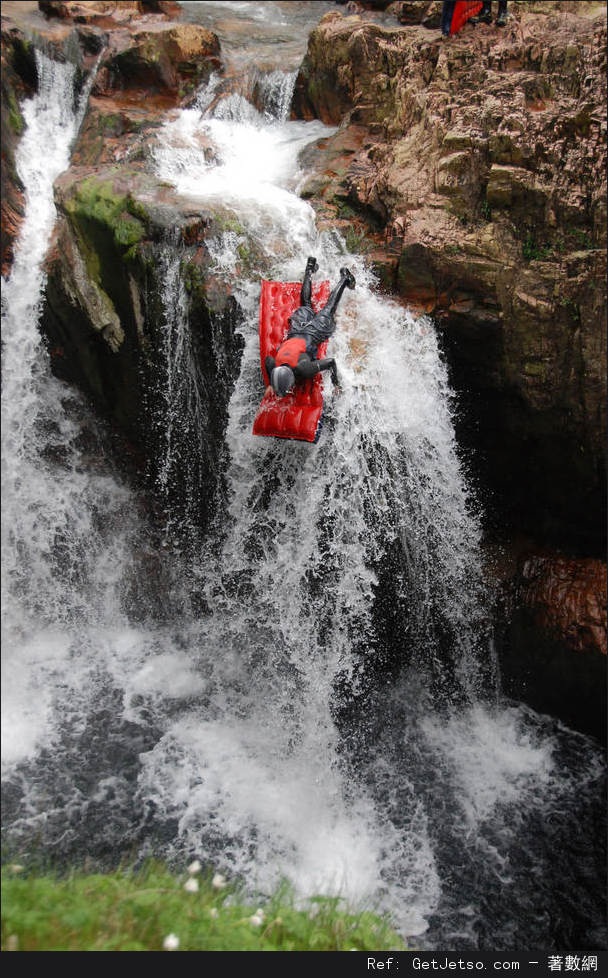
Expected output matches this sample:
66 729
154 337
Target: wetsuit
310 329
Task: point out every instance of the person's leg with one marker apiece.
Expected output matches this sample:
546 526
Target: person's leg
485 14
346 280
501 20
446 17
306 290
324 323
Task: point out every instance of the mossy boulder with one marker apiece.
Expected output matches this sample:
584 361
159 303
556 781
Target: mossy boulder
118 232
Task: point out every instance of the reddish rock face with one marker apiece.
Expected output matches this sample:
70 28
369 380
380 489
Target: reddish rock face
552 641
567 598
161 59
12 215
144 50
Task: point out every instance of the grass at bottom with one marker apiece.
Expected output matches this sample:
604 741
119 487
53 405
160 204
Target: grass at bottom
147 909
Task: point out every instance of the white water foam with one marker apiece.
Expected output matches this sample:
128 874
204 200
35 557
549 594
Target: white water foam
252 167
56 560
265 769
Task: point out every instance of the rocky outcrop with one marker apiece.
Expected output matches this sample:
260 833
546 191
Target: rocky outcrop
567 598
552 642
107 14
105 318
18 81
472 171
166 58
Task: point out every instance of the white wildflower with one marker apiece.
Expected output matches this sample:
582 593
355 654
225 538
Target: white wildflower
214 912
194 868
258 918
218 882
171 942
191 885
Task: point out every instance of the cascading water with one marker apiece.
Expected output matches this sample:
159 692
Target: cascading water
182 418
330 712
50 504
276 90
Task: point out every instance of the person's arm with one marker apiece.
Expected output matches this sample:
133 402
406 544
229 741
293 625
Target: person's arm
309 368
270 364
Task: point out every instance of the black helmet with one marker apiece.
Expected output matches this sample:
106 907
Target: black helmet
282 380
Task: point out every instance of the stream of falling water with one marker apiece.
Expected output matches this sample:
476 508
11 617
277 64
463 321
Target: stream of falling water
261 732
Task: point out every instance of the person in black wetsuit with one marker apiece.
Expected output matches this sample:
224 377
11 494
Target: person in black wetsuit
295 358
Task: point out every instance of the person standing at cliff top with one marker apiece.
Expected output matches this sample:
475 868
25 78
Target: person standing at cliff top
455 15
485 14
447 10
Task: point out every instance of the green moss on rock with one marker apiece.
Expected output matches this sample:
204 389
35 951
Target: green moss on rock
15 117
97 201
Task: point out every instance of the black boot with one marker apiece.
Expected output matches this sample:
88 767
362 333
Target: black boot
484 16
306 290
349 277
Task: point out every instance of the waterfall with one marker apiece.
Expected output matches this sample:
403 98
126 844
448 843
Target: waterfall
183 418
309 693
51 121
276 89
67 526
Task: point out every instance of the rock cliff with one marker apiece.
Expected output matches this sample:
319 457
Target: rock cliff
105 318
472 170
552 642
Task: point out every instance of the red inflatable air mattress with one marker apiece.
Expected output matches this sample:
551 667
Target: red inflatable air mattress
462 13
298 414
